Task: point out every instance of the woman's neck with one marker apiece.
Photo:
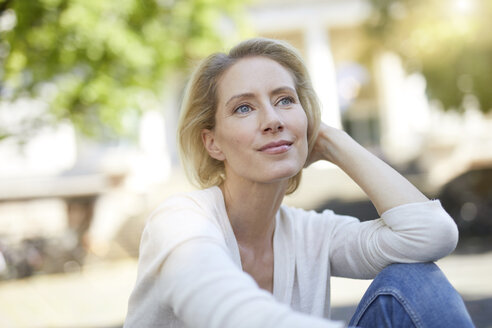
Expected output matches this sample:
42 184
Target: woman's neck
252 209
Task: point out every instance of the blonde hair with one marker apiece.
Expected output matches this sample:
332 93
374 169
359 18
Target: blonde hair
200 104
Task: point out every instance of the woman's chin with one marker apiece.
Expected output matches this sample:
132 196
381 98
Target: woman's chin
285 174
278 172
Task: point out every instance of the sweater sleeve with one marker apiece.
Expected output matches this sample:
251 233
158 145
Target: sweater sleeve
185 265
415 232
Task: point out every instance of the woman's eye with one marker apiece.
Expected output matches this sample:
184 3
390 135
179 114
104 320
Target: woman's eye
286 101
243 109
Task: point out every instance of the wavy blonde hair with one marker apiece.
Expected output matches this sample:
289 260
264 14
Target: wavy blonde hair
200 104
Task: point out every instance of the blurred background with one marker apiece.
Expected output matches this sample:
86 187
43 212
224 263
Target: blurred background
89 101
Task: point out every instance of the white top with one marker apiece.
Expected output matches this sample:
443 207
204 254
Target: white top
189 272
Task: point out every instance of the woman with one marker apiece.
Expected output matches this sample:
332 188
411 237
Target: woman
230 255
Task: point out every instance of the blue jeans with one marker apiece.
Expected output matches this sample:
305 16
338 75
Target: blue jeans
411 295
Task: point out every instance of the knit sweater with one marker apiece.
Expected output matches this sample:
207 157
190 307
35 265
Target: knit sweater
190 275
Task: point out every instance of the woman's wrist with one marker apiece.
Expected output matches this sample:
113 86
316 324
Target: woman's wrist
333 144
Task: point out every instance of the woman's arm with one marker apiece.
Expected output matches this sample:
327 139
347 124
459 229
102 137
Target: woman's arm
409 233
412 228
384 186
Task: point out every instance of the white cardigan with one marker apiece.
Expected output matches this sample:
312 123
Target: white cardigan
189 271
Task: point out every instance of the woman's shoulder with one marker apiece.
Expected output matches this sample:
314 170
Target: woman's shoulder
198 209
185 216
205 201
302 216
312 219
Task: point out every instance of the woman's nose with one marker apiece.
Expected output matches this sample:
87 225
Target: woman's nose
272 121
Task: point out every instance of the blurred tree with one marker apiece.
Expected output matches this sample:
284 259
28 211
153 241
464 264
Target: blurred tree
446 40
99 63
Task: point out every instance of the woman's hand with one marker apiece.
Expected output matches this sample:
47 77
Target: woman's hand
383 185
324 147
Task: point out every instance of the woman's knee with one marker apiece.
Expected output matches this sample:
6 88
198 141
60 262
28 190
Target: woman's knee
421 286
405 275
424 293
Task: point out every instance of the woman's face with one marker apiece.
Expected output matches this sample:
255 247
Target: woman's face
261 127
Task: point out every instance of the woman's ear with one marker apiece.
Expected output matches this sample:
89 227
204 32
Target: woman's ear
208 139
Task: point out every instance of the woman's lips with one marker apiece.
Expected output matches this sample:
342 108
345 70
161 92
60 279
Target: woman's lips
276 147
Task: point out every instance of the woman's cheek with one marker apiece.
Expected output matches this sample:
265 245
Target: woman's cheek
301 122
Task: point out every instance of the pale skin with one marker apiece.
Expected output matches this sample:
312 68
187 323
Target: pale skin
260 135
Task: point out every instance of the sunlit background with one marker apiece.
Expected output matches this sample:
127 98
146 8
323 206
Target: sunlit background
89 102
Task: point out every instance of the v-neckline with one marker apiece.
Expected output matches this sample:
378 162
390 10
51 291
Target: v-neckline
231 242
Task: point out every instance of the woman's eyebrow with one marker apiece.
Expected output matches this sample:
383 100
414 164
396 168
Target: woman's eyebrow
242 95
283 89
252 95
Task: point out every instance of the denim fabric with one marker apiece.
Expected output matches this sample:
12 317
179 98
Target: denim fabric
411 295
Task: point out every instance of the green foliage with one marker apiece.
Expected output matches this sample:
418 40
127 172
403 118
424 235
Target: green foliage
447 40
99 63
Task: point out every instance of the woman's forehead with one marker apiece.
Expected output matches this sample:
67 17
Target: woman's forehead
252 75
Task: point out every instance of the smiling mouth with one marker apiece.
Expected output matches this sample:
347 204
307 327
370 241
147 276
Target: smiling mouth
276 147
